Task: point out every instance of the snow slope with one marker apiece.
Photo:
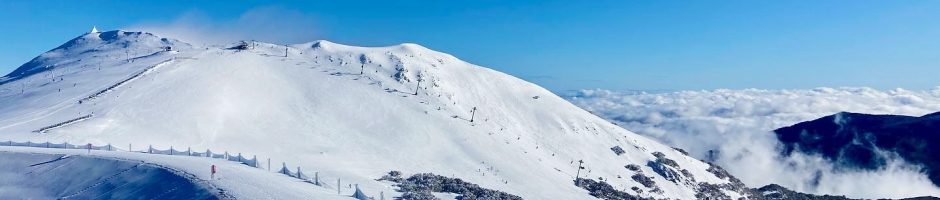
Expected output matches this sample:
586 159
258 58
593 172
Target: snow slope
42 173
49 176
313 109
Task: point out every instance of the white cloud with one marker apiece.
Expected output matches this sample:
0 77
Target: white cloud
738 123
267 24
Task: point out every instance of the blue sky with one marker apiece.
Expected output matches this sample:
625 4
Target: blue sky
561 45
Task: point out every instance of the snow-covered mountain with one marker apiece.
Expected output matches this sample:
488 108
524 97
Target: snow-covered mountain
347 112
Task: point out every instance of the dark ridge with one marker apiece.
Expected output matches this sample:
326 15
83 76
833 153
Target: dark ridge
854 140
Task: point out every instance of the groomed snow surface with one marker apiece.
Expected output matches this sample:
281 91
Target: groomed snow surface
347 112
52 173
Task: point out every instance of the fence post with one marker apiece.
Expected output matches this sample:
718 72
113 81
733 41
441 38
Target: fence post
338 187
190 150
109 147
284 168
66 145
28 143
47 145
316 178
150 149
171 150
255 158
129 149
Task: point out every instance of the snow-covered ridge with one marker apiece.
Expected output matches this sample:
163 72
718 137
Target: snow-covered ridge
344 111
334 47
94 46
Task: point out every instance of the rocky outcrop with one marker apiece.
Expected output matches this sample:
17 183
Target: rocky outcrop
420 187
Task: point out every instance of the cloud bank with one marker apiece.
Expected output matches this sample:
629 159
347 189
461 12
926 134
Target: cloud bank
267 24
738 124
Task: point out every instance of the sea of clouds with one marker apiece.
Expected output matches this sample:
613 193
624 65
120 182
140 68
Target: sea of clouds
738 124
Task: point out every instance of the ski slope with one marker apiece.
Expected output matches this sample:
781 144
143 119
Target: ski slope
42 173
311 108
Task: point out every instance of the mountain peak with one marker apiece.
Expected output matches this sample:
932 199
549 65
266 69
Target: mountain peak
114 44
412 47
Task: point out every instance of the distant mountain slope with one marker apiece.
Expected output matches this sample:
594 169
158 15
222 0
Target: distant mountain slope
868 141
349 113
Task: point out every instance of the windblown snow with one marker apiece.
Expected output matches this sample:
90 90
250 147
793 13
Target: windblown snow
350 113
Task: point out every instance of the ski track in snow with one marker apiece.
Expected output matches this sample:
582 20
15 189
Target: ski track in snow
99 183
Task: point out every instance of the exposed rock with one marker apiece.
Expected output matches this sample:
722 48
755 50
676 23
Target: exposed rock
659 154
633 167
393 176
417 195
617 150
602 190
777 192
688 175
681 151
660 157
417 185
710 191
718 171
667 161
664 171
643 180
774 191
